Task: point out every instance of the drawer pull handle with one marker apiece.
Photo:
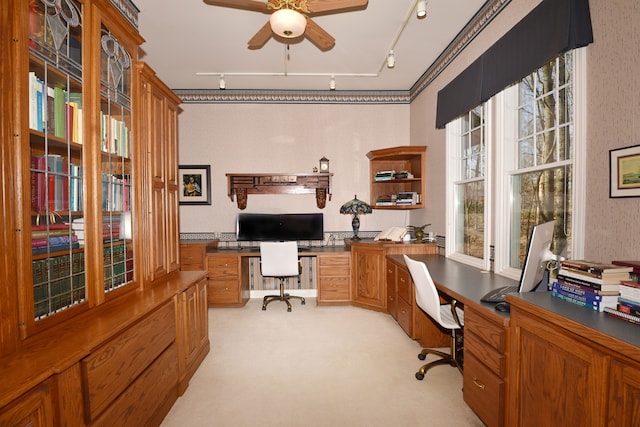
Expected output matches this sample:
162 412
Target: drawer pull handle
478 383
402 280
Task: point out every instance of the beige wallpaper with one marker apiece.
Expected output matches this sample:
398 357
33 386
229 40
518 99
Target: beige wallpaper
282 138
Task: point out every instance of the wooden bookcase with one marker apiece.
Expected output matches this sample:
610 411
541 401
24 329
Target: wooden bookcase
409 159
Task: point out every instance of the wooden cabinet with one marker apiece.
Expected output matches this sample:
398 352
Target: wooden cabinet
369 269
193 331
401 304
485 364
193 253
579 374
334 278
33 409
158 130
407 177
228 280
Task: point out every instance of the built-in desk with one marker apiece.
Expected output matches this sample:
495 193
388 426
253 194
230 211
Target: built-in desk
485 332
229 274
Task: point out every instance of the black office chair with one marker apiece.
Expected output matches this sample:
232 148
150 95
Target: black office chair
279 259
448 316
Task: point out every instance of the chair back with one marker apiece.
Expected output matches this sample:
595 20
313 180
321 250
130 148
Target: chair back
279 259
427 297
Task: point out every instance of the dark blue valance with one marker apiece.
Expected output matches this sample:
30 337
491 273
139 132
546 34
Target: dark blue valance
553 27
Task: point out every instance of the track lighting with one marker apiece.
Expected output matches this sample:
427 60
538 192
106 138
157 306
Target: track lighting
391 60
421 9
332 83
223 84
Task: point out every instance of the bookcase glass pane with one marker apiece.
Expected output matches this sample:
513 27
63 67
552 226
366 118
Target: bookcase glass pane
116 163
56 155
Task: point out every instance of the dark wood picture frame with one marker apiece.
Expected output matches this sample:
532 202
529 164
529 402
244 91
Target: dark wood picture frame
624 172
195 184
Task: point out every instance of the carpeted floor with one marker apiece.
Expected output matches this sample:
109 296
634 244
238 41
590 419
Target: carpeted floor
316 366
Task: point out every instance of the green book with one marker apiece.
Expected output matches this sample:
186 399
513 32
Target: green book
59 111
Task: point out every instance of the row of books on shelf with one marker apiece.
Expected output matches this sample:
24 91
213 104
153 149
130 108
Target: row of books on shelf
56 185
116 192
58 283
389 175
402 198
115 135
55 110
612 288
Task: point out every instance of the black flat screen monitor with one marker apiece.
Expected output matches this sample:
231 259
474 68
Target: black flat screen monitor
260 227
538 254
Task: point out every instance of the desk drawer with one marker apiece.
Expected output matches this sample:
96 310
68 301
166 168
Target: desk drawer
405 316
405 288
192 257
222 267
109 369
483 391
334 265
491 333
223 292
490 357
334 288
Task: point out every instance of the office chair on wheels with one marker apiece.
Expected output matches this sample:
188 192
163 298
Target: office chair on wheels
279 259
448 316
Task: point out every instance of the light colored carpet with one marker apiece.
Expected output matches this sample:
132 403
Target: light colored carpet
316 366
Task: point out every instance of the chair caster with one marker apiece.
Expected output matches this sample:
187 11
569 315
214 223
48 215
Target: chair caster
303 302
289 309
422 357
419 376
264 308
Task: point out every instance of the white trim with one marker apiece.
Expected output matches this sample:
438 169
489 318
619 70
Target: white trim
579 181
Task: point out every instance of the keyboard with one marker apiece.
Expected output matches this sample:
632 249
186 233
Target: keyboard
499 294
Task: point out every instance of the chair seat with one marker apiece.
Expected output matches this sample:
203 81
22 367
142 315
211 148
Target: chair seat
448 321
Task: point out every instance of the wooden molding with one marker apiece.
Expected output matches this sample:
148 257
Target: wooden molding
241 185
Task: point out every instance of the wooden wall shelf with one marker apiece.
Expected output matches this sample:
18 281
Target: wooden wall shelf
241 185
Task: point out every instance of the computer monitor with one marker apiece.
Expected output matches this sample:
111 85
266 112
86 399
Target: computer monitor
538 253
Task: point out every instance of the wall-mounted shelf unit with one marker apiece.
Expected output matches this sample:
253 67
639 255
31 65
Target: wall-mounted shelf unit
241 185
398 177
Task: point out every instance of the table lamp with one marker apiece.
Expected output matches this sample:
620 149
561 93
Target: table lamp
355 207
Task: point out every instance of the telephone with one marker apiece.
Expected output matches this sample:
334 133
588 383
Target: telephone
394 234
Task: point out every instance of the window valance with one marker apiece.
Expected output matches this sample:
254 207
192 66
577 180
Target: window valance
553 27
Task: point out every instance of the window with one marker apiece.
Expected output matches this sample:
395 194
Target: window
537 169
468 188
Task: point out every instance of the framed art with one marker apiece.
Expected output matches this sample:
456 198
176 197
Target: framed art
624 168
195 184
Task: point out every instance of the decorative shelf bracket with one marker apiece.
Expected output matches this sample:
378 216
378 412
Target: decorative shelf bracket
241 185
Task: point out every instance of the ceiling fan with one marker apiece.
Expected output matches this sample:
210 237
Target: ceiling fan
291 19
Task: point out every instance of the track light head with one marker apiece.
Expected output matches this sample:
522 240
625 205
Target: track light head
223 84
391 59
421 9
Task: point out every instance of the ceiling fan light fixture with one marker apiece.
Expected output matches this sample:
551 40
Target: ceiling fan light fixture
288 23
421 9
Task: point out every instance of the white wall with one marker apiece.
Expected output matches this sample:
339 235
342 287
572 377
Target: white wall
287 138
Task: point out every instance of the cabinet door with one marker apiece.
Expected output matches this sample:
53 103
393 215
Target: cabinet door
554 379
368 276
34 409
624 392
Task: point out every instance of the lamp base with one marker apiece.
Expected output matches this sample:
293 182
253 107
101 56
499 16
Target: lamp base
355 224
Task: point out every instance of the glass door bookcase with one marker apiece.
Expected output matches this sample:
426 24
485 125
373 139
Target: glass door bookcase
76 209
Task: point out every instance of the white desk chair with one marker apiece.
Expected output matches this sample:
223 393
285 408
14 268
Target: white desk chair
279 259
448 316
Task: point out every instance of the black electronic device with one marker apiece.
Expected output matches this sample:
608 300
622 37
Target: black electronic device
535 264
262 227
503 306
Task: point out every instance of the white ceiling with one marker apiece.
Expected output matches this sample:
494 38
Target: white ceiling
188 37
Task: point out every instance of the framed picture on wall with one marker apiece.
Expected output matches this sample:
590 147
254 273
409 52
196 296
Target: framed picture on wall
624 167
195 184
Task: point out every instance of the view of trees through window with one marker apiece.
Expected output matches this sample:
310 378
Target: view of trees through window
541 183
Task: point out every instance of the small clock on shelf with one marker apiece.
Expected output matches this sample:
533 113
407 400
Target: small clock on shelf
324 164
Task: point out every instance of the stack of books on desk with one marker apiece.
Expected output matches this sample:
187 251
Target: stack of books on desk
590 284
628 306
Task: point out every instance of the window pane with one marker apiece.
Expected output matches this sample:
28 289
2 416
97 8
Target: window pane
470 219
539 197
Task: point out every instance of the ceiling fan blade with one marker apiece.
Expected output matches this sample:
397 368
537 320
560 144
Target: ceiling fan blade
256 5
261 37
323 7
318 36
